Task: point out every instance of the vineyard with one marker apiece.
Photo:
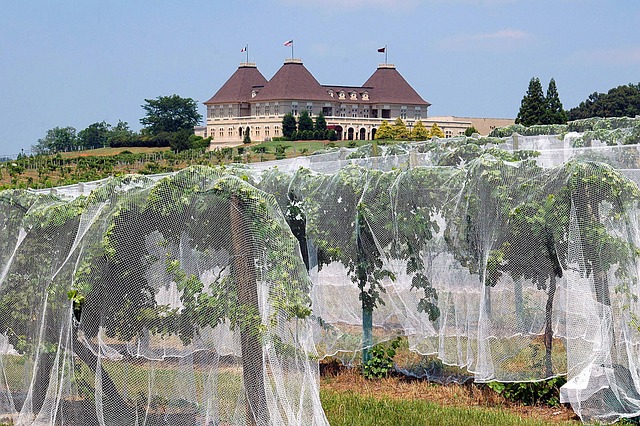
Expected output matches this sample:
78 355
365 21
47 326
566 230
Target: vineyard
207 295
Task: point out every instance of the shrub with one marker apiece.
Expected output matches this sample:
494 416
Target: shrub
381 362
531 393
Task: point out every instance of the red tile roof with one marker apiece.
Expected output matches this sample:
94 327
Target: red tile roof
293 82
239 86
388 86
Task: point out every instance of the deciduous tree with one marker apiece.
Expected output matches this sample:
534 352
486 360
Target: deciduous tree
170 114
58 139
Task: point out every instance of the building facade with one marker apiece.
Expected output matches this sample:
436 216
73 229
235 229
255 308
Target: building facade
248 100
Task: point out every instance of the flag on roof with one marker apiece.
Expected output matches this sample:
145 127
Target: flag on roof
382 49
244 49
288 43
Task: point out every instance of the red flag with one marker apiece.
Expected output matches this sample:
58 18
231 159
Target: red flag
288 43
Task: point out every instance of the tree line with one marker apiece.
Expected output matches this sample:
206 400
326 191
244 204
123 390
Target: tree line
305 128
168 122
537 108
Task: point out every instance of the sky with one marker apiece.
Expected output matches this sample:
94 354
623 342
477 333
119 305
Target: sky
74 63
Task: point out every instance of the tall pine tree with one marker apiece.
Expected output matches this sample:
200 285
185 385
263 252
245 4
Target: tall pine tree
555 113
533 105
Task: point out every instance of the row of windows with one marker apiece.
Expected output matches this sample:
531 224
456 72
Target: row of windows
269 110
256 131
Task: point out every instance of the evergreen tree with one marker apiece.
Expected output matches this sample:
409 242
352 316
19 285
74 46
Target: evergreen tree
305 122
470 131
247 135
533 105
436 131
419 132
384 131
321 124
288 126
399 129
555 113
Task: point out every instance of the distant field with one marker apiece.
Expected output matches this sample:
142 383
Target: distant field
107 152
68 168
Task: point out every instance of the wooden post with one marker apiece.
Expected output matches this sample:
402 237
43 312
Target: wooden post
244 273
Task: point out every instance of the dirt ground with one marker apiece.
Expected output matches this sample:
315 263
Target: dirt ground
450 395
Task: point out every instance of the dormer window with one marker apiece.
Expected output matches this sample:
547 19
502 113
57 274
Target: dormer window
331 93
342 95
353 96
365 96
253 93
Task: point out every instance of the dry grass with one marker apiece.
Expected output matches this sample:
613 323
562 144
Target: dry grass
452 395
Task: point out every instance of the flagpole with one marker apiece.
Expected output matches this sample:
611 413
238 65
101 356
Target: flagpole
385 54
292 49
247 49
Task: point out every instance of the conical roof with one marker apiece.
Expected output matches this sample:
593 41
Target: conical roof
239 86
292 81
388 86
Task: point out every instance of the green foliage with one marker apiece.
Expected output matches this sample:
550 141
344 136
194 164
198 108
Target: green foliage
400 130
536 108
531 393
305 122
289 125
281 151
533 105
170 114
94 136
321 123
470 131
555 113
247 135
419 131
381 362
436 131
384 132
621 101
58 139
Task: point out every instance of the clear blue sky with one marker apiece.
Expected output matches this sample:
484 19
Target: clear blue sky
73 63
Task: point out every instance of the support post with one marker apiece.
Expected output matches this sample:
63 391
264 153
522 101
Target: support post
244 273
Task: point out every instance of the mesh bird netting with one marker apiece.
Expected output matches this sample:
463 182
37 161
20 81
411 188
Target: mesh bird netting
175 301
207 296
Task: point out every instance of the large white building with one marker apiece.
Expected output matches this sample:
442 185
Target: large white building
248 99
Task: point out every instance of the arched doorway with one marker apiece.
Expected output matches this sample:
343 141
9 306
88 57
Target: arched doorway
373 133
338 129
363 134
240 132
350 133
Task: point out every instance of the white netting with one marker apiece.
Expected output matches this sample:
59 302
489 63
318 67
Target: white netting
188 304
513 257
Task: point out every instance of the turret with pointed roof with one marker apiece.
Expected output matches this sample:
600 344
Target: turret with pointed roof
292 82
240 86
388 86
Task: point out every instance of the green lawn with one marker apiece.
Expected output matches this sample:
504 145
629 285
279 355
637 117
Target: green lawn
348 408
